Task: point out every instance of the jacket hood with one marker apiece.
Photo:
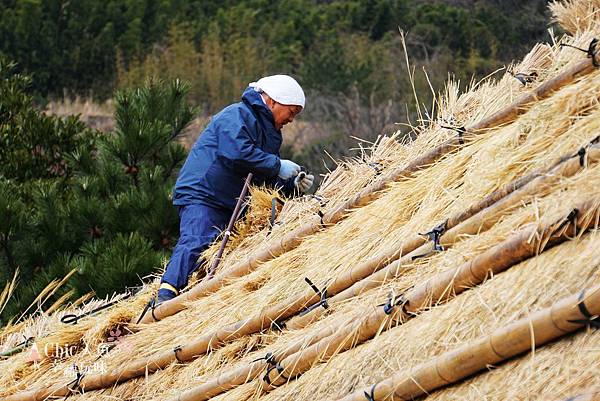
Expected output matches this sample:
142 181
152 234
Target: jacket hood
253 99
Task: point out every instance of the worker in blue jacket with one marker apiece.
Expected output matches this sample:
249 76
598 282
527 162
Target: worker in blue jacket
243 138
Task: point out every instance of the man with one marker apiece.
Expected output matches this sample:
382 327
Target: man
243 138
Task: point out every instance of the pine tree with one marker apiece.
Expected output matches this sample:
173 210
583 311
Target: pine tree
72 198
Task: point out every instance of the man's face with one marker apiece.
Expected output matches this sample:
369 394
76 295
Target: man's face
283 114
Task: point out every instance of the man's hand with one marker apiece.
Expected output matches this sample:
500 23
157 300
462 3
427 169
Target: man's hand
304 181
288 169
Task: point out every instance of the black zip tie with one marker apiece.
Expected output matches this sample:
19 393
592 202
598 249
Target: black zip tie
321 215
25 343
591 50
175 351
150 305
75 386
571 218
524 78
370 396
274 366
277 325
74 319
274 202
582 151
589 319
394 301
322 201
322 302
378 167
581 154
460 132
154 306
269 359
435 234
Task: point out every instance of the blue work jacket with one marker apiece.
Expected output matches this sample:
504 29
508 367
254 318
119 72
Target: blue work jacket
240 139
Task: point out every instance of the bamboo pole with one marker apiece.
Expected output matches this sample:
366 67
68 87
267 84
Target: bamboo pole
508 114
478 219
513 193
562 318
520 246
241 375
371 192
246 373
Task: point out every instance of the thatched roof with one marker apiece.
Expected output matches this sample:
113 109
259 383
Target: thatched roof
533 242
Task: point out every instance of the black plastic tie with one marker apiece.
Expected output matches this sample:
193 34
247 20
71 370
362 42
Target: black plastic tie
523 78
269 359
175 351
581 153
460 131
274 203
322 201
394 301
434 235
378 167
75 385
150 305
277 325
321 215
589 319
321 293
152 309
273 366
74 319
570 219
370 396
591 51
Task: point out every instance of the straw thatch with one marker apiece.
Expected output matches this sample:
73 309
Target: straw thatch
540 139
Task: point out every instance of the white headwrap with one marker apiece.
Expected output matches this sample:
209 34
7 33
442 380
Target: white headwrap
281 88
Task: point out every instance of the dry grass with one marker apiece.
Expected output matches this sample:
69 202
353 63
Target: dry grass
95 115
550 129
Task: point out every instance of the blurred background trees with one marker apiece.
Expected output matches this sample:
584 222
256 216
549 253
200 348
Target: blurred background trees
91 47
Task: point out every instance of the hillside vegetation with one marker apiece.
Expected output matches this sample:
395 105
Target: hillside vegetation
347 54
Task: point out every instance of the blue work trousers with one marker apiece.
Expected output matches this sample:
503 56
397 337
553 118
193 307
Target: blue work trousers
199 225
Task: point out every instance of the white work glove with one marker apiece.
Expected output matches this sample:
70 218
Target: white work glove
305 182
288 169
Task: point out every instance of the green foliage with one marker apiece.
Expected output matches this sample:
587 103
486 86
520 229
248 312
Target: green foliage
32 145
111 265
220 46
147 120
108 212
12 217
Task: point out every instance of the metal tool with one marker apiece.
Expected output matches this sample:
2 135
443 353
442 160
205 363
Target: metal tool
227 234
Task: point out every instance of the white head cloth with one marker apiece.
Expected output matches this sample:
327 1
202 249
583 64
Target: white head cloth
281 88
